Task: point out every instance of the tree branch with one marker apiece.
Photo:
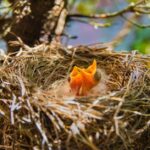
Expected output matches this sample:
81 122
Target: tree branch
130 8
136 24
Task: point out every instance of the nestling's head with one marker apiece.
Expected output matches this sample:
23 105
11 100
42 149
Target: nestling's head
83 80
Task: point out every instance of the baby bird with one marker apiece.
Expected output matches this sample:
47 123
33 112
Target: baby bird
82 80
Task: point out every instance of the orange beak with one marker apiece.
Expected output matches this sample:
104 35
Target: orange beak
83 80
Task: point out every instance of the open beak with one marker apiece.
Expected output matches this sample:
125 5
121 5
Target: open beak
82 80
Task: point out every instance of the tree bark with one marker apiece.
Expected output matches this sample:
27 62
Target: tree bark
36 21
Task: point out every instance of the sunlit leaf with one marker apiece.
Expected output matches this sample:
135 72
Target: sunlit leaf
132 1
142 43
87 6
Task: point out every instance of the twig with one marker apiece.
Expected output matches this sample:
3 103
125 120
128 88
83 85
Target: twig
129 8
38 125
12 110
23 89
136 24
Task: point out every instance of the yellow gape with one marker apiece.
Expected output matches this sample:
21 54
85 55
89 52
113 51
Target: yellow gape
83 80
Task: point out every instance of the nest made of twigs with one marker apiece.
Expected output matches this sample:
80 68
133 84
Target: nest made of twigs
33 117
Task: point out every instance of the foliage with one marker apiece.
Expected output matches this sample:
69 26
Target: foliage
140 13
86 6
141 41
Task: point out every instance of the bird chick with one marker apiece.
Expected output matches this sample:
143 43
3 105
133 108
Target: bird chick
82 80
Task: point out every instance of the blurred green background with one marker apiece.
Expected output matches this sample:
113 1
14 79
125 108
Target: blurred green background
136 38
90 31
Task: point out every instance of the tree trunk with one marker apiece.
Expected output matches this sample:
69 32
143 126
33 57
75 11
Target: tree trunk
36 21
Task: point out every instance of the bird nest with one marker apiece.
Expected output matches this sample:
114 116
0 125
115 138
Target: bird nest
35 113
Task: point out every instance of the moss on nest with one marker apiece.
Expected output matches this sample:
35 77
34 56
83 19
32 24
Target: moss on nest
33 117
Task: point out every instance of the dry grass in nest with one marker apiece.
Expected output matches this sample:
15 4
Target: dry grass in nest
33 117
